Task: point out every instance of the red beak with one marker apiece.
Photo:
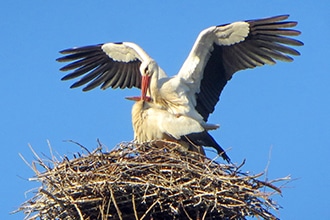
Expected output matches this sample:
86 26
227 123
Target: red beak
133 98
144 86
138 98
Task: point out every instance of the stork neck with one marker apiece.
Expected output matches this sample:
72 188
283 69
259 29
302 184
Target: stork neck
153 87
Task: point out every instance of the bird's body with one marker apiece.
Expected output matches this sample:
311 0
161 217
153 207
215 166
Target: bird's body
152 122
217 54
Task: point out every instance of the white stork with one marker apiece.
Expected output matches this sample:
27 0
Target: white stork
152 121
217 54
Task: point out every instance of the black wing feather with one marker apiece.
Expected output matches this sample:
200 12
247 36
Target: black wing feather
214 79
205 139
268 40
97 68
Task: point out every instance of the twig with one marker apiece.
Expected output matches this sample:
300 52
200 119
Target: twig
134 206
115 203
187 214
83 147
148 210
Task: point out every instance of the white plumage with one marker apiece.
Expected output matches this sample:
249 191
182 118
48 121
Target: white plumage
152 122
218 52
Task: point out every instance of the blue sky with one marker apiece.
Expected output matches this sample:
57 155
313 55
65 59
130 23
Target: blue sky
278 114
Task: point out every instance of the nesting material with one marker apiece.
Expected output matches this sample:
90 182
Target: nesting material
156 180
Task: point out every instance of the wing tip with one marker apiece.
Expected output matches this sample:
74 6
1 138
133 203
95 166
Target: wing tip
86 89
67 51
64 78
75 85
299 43
60 59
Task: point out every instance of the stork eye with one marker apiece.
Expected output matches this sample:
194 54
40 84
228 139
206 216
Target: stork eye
146 70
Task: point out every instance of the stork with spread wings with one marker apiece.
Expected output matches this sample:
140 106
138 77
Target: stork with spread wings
191 95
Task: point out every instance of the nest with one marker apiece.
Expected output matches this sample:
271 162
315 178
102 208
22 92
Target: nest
156 180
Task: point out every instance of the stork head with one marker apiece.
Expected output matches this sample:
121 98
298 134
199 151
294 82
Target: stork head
148 69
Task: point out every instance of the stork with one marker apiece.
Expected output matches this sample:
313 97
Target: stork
152 122
218 53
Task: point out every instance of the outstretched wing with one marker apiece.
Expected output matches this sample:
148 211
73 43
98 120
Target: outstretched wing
109 65
220 51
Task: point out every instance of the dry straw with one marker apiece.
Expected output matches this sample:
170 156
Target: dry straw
156 180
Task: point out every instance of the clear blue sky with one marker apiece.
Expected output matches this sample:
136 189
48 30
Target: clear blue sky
282 110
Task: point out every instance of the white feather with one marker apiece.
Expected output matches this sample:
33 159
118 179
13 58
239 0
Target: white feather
183 125
151 122
232 33
177 95
125 52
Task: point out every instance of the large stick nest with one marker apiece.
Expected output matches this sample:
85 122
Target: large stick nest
157 180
